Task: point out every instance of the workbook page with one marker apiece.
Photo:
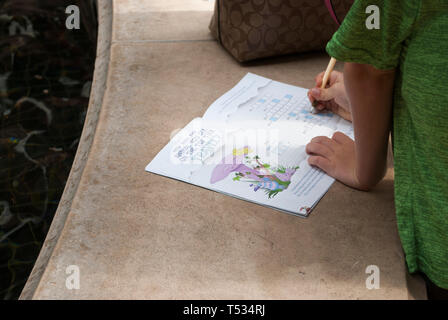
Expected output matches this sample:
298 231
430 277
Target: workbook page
250 144
258 102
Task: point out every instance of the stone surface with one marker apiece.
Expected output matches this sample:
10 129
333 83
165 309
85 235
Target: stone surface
91 120
138 235
137 20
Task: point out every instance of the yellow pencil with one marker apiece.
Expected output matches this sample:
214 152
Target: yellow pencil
327 74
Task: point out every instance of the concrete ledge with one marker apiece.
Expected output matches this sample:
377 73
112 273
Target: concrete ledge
95 102
137 235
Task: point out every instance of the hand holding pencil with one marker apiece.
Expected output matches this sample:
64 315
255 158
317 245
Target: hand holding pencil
329 93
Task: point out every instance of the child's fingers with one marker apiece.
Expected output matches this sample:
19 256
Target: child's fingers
324 141
335 108
310 96
318 149
316 104
323 94
341 138
319 78
334 77
320 162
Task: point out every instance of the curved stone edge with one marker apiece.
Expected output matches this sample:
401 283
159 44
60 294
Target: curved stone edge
97 92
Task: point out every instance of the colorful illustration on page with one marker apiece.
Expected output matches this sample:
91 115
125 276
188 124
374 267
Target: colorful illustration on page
250 169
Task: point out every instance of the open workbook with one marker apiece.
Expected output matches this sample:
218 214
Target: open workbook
250 144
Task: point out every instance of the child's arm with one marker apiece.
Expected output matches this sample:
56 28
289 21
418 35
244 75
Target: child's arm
370 92
360 164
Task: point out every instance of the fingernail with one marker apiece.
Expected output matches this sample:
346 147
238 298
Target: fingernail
315 92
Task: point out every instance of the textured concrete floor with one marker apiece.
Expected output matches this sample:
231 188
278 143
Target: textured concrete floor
137 235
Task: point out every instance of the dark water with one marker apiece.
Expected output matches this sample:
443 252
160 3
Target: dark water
45 77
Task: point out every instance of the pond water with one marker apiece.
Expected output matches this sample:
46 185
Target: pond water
46 72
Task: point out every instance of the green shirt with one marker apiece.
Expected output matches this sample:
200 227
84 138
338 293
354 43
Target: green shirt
413 38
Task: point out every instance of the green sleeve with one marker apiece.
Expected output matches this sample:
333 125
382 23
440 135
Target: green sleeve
381 48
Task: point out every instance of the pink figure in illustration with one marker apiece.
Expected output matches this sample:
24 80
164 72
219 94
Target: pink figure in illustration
259 175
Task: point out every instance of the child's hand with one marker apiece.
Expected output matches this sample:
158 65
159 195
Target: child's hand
333 98
335 156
